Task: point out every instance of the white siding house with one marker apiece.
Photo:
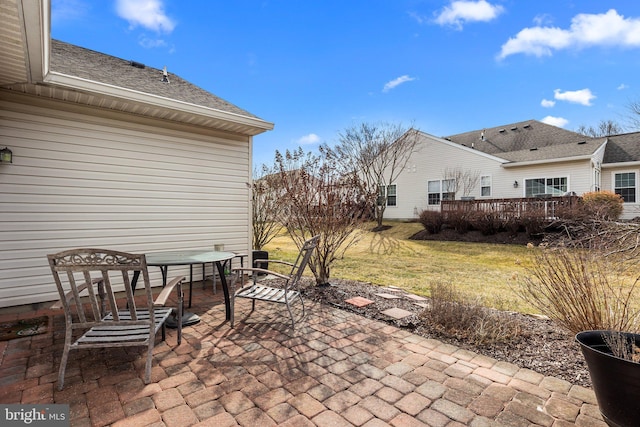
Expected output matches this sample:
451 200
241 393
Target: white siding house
523 159
106 154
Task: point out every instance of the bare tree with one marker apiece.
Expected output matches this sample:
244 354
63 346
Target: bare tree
604 128
460 179
320 201
266 207
634 114
377 153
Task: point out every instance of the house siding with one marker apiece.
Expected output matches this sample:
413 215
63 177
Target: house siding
433 156
428 162
631 210
120 181
579 174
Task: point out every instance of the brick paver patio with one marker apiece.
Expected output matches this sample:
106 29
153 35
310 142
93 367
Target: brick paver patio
335 369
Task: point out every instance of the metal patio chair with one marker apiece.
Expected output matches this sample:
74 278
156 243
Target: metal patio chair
287 294
87 281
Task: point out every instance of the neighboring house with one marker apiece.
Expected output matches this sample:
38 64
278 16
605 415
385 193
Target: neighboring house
109 153
524 159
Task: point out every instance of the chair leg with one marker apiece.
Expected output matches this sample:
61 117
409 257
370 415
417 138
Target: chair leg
147 369
302 302
65 358
293 322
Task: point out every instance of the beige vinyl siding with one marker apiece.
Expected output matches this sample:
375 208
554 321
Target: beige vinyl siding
123 182
631 210
433 156
428 162
579 174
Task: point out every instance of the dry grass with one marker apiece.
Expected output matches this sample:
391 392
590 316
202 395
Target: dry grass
457 315
486 271
583 290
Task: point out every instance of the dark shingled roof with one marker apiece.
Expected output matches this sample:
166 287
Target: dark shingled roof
527 141
623 148
95 66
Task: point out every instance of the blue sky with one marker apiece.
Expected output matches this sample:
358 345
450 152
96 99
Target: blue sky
315 68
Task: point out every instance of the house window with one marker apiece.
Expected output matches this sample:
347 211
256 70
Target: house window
433 193
389 196
485 185
448 189
441 190
625 185
553 186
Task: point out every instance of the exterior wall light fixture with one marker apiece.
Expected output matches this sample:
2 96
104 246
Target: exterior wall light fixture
515 184
6 156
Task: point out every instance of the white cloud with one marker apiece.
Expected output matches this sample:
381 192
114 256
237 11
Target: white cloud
147 13
419 18
555 121
148 43
462 11
542 19
582 96
586 30
623 86
312 138
397 82
547 103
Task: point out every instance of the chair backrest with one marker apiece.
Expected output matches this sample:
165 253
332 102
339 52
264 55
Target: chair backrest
87 278
303 259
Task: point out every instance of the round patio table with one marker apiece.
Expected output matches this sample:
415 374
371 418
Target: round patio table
190 257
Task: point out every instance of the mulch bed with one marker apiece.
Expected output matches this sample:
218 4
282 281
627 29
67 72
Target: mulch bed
542 347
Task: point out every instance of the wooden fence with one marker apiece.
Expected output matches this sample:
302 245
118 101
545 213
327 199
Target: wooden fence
547 207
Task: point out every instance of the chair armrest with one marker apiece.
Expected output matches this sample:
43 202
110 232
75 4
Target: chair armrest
259 270
162 297
274 261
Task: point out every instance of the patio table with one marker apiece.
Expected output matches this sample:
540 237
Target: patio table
190 257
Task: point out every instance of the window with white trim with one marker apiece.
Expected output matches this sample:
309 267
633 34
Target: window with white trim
485 185
624 184
433 192
539 186
440 190
448 189
387 194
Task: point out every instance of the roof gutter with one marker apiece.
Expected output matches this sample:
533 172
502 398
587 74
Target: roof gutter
111 91
36 24
619 165
546 161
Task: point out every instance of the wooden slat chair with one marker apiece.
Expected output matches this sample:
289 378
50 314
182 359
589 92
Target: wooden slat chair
86 280
287 294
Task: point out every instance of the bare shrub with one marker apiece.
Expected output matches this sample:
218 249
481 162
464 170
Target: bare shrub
432 221
512 224
459 221
582 290
488 223
605 205
453 313
533 221
622 345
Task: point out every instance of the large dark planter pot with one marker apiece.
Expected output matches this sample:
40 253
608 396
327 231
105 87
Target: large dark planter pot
260 255
616 381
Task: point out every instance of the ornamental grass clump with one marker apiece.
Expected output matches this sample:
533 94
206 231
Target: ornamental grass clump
454 314
583 289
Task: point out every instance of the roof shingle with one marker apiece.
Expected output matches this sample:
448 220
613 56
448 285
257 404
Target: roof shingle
87 64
